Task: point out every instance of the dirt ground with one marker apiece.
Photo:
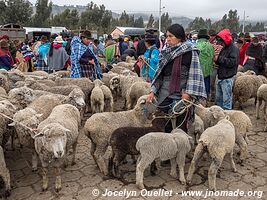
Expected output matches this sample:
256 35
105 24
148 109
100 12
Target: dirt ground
83 180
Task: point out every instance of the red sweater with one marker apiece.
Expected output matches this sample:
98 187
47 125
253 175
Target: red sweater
243 52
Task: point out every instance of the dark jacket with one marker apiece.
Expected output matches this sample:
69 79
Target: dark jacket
228 58
141 48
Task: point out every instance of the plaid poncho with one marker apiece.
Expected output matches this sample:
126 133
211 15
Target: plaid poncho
195 83
77 50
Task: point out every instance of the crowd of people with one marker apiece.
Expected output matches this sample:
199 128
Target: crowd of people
177 64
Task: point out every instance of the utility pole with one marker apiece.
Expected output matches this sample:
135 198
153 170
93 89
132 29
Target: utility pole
244 21
159 16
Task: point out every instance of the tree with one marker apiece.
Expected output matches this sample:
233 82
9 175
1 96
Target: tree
68 18
150 22
139 22
43 12
199 23
166 21
233 21
16 11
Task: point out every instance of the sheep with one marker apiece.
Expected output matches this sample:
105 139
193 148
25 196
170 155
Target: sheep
4 83
261 96
108 98
263 78
196 128
56 136
99 127
4 173
107 77
125 65
38 111
123 141
239 119
159 145
137 90
97 97
121 84
37 73
246 87
3 94
21 97
84 83
117 69
218 140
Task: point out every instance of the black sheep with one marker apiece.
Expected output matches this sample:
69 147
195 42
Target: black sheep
123 141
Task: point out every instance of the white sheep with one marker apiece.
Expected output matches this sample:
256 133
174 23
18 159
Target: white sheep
100 126
239 119
261 96
97 98
108 98
4 173
159 145
196 128
4 83
56 136
3 94
107 77
137 90
218 140
246 87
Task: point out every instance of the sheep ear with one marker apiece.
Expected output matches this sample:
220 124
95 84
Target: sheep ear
41 134
143 101
39 115
12 124
227 117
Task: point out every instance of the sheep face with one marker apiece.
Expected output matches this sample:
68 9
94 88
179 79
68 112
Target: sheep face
98 82
3 79
54 139
115 83
217 113
77 97
22 94
146 108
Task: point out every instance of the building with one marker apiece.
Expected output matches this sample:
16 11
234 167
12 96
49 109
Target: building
130 31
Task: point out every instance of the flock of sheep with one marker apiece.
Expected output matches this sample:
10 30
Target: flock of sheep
44 112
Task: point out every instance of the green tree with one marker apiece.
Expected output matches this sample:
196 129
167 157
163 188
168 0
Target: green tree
166 21
199 23
42 15
139 22
233 21
15 11
68 18
151 21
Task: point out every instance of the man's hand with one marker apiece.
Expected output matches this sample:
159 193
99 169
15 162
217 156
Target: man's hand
150 97
92 62
185 96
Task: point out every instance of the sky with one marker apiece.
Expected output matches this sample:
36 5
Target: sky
255 10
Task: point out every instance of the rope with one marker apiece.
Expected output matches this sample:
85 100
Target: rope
147 64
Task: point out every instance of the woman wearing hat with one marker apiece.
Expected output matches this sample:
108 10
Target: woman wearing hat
150 58
206 56
178 75
83 60
58 56
6 61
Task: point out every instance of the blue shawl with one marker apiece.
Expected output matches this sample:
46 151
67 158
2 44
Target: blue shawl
77 50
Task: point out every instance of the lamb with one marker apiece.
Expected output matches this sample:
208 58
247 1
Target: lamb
261 96
108 98
246 87
239 119
124 64
4 173
97 97
100 126
137 90
56 136
218 140
117 69
123 141
159 145
37 73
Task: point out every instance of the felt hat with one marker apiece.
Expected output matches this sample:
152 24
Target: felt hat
203 33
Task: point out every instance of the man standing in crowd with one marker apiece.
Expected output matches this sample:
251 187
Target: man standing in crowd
206 57
227 62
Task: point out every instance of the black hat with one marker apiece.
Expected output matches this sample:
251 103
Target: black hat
203 33
150 37
177 30
86 34
53 36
